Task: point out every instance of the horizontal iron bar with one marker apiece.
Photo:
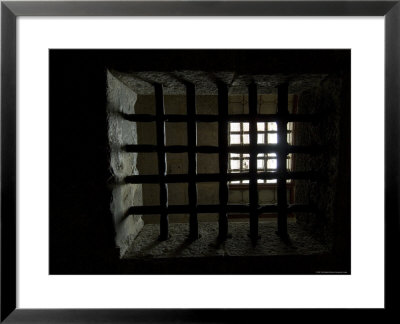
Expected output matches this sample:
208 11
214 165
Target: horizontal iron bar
297 208
272 148
171 148
139 117
173 178
268 148
176 118
234 208
258 132
275 118
215 177
207 118
289 209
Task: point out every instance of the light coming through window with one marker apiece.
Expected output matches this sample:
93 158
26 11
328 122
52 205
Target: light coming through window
266 162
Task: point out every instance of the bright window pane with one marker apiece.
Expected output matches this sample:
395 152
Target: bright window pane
235 127
272 127
271 164
289 164
265 161
235 139
235 164
272 138
260 164
245 164
289 138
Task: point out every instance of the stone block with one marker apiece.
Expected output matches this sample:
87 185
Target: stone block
175 133
177 163
208 193
207 134
145 104
178 194
207 105
147 163
207 163
174 104
235 197
235 108
267 196
151 194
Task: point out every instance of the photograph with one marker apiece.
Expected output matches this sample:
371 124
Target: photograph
200 161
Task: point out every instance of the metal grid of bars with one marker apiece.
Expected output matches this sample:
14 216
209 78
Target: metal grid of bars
239 163
281 149
239 133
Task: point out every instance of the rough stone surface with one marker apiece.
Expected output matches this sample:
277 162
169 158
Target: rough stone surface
122 99
325 99
146 244
141 82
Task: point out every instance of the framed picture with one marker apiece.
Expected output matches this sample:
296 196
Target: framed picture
206 155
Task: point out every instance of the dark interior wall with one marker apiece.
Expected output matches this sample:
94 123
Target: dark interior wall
81 228
245 62
331 194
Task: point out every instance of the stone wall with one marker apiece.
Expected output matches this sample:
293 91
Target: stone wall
333 132
122 99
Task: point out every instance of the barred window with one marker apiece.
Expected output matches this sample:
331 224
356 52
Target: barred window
266 162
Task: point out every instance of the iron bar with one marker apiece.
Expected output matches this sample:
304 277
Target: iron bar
253 193
231 208
281 159
215 177
223 159
264 148
160 125
192 163
176 118
276 118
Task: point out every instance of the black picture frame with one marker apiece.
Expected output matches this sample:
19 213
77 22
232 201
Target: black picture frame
11 10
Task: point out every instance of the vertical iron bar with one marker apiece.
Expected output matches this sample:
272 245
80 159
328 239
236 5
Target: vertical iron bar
253 193
241 156
265 154
242 136
281 159
223 158
192 161
160 125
